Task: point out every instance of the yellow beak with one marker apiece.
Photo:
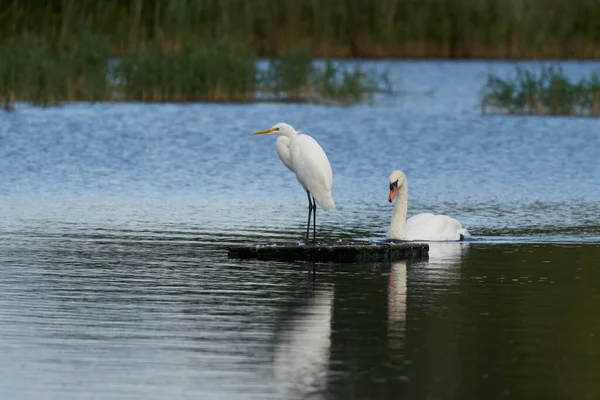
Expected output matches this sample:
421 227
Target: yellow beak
266 131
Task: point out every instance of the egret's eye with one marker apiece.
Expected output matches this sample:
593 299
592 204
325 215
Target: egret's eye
276 129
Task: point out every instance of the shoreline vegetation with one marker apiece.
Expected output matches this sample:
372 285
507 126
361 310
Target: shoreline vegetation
33 72
546 92
479 29
63 51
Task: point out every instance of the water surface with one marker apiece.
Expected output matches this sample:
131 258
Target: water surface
115 282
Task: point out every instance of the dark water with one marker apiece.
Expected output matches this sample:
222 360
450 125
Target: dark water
114 282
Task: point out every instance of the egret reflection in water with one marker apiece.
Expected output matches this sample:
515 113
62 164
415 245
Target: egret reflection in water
301 359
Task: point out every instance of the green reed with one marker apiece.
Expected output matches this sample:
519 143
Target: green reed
346 85
290 76
221 71
548 92
294 77
31 71
374 28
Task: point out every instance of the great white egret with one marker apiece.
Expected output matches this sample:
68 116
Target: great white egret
307 159
423 226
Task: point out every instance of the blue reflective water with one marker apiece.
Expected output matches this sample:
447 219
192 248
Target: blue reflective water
115 282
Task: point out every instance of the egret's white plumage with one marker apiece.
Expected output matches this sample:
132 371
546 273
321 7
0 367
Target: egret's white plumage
302 155
312 169
425 226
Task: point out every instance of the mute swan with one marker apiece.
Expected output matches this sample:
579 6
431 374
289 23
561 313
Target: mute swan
423 226
302 155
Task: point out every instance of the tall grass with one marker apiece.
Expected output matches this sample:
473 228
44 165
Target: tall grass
295 77
222 71
548 92
31 71
373 28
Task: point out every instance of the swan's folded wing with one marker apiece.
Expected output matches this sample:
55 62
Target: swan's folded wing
429 226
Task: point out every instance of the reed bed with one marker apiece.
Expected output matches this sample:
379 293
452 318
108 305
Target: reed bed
547 92
222 71
31 71
333 28
294 77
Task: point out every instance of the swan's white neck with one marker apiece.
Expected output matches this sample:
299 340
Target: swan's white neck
398 223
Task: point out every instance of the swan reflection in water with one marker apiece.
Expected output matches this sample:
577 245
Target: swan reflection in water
443 265
449 253
301 360
301 356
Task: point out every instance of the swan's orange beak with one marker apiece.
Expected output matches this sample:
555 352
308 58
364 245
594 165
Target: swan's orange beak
392 195
265 131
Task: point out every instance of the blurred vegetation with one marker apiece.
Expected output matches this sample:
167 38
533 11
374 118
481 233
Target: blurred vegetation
31 71
222 71
333 28
294 77
548 92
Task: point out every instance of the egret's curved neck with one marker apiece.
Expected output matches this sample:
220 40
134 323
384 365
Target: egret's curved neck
399 216
282 146
288 133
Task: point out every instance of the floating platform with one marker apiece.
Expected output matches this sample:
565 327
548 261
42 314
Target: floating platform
339 252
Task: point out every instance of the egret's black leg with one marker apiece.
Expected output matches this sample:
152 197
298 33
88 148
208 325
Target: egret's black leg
310 205
314 207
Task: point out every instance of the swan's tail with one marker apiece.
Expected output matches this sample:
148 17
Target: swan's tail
325 201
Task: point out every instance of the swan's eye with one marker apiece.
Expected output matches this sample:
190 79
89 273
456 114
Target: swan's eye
393 185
